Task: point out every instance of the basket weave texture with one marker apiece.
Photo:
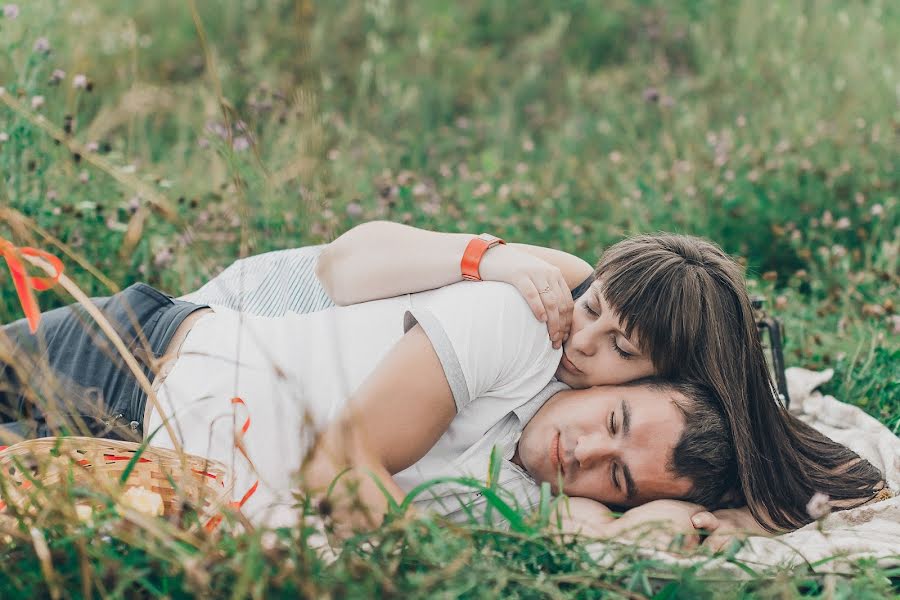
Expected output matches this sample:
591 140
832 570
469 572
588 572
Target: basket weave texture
98 464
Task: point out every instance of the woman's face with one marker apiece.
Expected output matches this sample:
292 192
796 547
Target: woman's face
597 351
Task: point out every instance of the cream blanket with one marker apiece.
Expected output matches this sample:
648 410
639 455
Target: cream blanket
833 544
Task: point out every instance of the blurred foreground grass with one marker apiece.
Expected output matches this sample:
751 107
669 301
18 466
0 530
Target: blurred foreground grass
769 127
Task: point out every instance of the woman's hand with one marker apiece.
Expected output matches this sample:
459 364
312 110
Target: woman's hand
540 283
727 526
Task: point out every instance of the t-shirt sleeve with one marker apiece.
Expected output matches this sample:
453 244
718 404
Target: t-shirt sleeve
487 339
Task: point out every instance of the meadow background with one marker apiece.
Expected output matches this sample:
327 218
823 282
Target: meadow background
159 141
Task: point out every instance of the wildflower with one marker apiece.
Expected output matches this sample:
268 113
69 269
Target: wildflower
818 506
216 129
10 11
42 45
615 157
80 81
354 209
37 102
240 143
877 210
203 142
57 76
842 224
895 322
52 195
84 177
521 168
827 219
741 121
92 146
163 258
527 145
4 137
651 94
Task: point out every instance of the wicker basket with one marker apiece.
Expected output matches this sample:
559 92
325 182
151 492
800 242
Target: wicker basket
99 464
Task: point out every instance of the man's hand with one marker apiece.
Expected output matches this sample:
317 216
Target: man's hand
661 524
727 526
540 283
582 516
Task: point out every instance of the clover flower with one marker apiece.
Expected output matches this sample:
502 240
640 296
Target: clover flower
37 102
80 81
10 11
42 45
57 76
240 143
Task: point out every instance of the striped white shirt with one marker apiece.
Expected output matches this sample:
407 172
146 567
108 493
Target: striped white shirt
268 285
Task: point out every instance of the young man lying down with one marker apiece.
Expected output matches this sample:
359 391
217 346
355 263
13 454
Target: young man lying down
440 378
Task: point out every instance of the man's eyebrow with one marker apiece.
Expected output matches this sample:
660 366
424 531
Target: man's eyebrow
630 487
631 491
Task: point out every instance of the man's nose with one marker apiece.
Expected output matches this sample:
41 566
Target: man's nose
592 448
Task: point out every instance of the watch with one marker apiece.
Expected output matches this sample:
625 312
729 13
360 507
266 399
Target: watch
474 251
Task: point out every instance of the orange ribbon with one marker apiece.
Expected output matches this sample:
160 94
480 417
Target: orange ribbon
26 284
239 444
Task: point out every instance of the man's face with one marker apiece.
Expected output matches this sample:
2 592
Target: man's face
598 352
611 444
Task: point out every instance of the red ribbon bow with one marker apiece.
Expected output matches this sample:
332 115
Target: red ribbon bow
26 284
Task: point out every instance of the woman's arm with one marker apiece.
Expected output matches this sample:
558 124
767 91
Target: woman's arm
381 259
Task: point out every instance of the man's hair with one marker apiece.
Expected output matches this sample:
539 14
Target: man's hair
705 452
687 302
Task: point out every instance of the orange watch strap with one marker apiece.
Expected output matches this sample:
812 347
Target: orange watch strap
475 250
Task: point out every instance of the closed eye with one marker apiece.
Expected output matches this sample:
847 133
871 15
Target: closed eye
590 310
617 349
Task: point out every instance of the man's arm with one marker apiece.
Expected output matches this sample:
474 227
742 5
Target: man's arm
398 413
655 523
381 259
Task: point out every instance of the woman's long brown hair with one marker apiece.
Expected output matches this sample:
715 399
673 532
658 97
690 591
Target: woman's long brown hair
687 302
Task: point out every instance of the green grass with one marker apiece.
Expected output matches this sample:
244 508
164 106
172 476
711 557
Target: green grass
767 126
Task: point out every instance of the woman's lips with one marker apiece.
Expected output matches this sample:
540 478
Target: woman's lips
568 366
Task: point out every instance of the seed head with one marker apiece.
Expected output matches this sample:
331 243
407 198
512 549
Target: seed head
818 506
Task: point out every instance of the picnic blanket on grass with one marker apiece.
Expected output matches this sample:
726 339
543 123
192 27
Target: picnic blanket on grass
871 531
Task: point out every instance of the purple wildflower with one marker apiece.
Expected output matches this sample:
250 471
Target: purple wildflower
11 11
42 45
80 81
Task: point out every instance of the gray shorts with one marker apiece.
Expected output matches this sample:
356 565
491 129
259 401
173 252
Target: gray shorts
68 377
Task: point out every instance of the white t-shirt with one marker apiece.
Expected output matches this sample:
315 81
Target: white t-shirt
295 374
